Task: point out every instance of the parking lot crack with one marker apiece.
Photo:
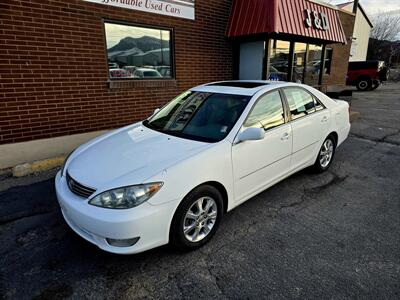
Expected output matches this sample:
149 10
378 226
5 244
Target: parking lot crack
383 139
293 204
215 278
11 219
360 136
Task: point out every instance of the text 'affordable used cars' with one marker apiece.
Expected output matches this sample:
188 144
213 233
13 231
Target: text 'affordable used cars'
172 177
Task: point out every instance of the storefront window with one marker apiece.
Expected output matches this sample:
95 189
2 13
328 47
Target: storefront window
138 52
313 67
279 60
299 57
306 64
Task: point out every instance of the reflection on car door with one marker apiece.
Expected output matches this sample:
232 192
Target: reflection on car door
258 164
310 122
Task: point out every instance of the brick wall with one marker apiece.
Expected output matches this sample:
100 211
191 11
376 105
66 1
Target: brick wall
341 53
54 71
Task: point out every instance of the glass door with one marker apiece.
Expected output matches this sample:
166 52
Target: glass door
314 57
279 60
299 57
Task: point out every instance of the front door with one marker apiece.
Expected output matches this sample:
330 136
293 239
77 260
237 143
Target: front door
258 164
251 60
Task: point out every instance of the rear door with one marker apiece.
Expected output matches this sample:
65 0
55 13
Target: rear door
310 123
256 164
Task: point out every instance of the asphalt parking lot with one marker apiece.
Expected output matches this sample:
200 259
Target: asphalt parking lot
334 235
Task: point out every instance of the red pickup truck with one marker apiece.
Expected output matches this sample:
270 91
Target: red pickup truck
366 75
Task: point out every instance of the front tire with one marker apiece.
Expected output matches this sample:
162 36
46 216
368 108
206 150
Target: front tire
325 155
197 218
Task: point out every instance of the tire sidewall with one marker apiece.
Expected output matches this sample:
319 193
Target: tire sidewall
177 237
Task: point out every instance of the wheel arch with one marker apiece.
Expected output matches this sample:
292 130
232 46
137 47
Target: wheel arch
221 188
364 76
335 136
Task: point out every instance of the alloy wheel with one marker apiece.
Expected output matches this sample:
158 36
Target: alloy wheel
363 84
326 153
200 219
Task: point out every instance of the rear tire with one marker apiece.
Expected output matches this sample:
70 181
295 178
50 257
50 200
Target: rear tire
325 155
197 218
375 86
364 84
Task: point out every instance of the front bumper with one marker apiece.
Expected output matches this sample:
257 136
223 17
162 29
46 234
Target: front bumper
150 223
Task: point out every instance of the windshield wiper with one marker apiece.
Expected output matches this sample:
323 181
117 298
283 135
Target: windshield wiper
149 125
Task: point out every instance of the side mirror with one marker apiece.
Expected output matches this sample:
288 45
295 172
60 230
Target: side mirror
251 134
156 111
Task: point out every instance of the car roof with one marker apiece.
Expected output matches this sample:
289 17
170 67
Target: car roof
240 87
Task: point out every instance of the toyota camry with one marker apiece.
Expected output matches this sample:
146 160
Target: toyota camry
171 178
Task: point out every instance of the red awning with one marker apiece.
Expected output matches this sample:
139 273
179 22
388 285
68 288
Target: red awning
286 16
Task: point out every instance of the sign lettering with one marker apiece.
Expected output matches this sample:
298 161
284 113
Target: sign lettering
317 20
175 8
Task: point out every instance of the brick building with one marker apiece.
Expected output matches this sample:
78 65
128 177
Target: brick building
70 69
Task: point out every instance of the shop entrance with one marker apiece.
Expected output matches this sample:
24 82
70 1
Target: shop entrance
285 61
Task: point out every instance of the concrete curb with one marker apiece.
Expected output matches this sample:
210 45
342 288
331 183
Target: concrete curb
37 166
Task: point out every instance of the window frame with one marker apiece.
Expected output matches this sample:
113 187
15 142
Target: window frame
328 72
315 99
147 26
284 107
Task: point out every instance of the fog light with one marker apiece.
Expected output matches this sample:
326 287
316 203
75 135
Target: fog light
123 243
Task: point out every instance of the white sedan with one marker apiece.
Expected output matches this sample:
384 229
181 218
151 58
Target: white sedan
172 177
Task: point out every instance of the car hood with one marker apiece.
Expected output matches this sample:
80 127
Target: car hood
128 156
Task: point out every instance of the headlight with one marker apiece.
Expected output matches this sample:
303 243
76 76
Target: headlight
65 162
126 197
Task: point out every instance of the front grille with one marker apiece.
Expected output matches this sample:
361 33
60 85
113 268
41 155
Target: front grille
79 189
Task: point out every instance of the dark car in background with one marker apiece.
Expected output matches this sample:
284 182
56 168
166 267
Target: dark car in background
366 75
119 73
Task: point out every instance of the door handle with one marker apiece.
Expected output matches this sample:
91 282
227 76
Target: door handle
285 136
324 119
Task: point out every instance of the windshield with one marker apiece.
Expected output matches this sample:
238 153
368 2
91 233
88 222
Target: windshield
201 116
151 74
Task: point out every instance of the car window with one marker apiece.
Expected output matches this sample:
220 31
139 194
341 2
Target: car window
318 105
154 74
267 112
301 103
199 116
